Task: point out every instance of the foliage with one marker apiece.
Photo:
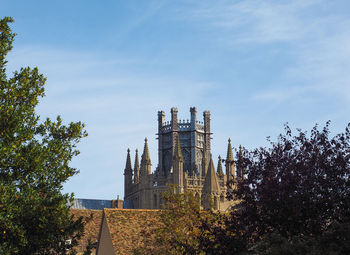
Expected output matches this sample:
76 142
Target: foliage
184 229
222 233
177 231
89 247
34 164
334 241
296 193
180 217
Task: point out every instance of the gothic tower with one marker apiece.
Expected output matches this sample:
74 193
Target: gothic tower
194 139
184 160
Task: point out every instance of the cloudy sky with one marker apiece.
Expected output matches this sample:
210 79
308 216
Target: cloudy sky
113 64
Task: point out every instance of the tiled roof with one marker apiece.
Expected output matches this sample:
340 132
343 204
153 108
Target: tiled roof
92 227
129 228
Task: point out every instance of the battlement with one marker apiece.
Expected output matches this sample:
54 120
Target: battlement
182 124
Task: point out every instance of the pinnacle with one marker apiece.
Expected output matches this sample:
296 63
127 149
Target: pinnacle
145 155
177 152
219 168
137 165
229 157
128 168
136 168
211 184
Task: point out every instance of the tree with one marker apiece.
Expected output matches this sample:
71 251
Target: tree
184 229
177 230
34 164
296 193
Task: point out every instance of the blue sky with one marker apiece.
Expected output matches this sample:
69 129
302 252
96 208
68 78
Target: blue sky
113 64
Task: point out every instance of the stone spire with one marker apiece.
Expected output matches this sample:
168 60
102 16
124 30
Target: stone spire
136 168
145 160
128 168
211 184
145 156
229 156
219 168
230 167
127 174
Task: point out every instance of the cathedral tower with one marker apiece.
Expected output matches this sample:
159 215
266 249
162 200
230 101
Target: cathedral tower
184 160
194 139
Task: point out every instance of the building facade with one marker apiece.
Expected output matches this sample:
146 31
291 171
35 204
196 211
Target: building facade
184 160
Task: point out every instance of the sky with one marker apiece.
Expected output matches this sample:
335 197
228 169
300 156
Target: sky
113 65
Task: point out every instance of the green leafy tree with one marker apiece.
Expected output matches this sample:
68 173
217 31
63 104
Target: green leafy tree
177 230
184 229
180 216
34 164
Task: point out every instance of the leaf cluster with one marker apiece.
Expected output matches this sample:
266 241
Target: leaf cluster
296 191
34 164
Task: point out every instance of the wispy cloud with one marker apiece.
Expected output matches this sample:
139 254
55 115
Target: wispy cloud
316 41
116 105
258 21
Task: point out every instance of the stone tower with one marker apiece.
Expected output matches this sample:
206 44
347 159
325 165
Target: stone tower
194 140
184 160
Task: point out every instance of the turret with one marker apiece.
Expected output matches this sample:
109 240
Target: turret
161 119
174 127
136 168
194 144
174 120
193 112
127 174
206 117
178 172
230 167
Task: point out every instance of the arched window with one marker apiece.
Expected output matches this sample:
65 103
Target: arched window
215 203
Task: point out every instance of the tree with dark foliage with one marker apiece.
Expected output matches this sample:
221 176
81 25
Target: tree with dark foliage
34 164
295 198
